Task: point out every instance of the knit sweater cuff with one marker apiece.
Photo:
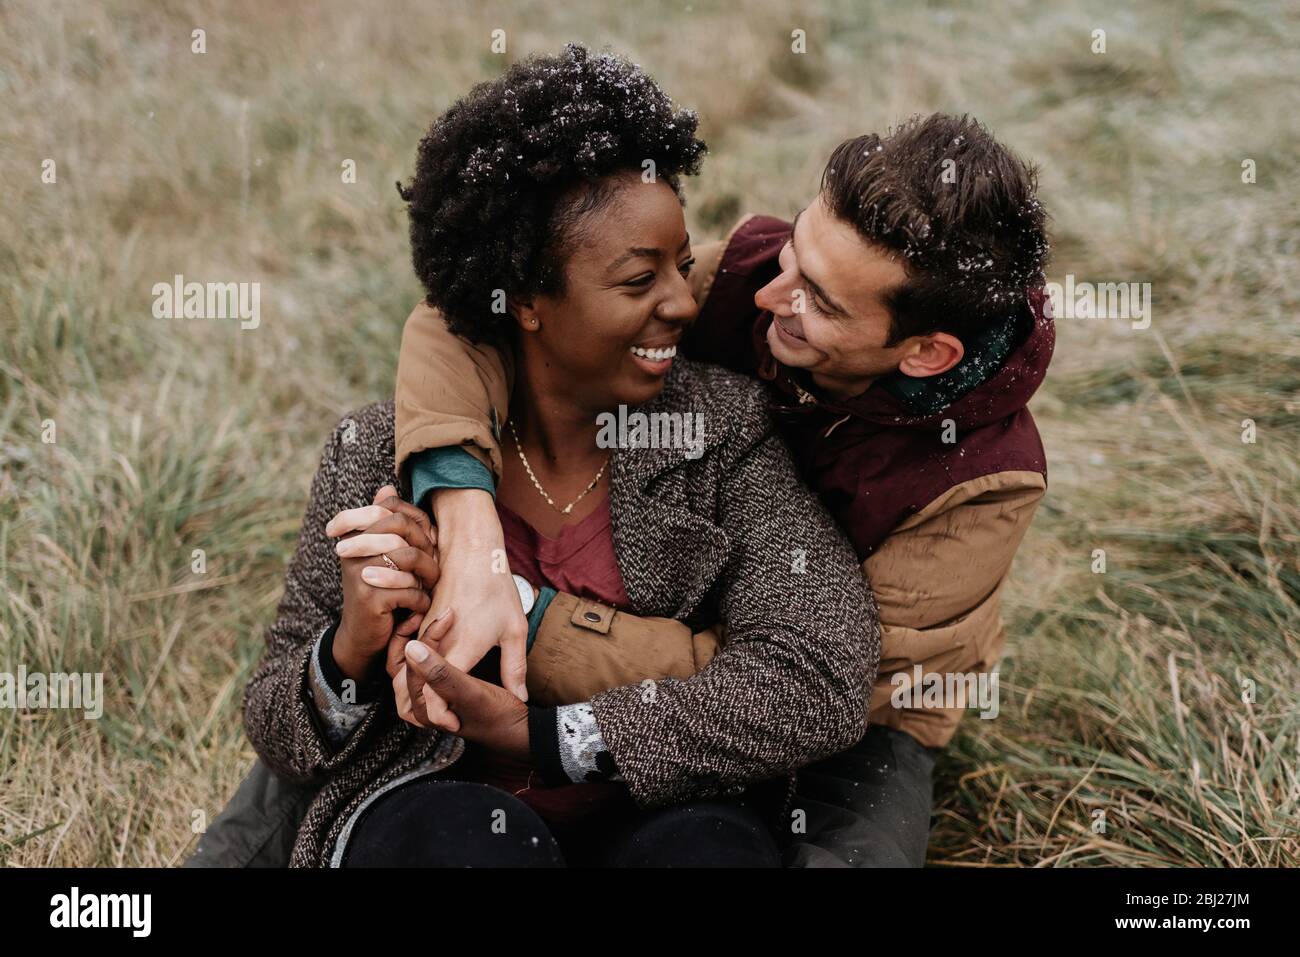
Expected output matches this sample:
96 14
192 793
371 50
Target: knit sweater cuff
567 746
583 752
341 706
544 745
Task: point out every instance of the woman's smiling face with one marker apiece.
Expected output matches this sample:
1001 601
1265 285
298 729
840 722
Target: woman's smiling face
611 336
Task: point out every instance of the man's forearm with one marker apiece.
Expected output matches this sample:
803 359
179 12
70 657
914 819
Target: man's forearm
582 648
467 517
449 393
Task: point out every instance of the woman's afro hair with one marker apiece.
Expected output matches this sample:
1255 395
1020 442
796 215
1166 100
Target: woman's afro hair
493 204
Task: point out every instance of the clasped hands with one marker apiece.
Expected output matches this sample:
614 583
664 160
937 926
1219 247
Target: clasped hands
428 656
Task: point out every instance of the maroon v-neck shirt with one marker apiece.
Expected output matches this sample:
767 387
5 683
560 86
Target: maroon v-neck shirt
580 561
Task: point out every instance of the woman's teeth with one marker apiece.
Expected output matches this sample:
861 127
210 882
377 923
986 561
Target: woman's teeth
655 355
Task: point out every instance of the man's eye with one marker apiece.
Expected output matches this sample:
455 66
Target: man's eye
645 280
811 298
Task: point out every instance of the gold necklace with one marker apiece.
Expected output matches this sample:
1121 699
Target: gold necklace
519 447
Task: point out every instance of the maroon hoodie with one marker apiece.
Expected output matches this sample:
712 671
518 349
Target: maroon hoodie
874 459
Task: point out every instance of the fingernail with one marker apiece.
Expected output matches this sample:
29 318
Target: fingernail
371 574
417 652
522 693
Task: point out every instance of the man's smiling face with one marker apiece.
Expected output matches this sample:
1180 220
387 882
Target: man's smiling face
831 310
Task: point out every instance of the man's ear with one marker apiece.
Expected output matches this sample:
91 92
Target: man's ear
930 355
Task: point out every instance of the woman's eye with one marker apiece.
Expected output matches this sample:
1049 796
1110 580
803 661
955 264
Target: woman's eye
645 280
685 268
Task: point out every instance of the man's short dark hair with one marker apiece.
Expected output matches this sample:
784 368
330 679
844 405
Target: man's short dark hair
958 207
504 179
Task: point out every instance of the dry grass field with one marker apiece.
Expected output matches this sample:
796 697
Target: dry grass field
1163 692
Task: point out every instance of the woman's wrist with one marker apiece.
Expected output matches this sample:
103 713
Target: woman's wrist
354 663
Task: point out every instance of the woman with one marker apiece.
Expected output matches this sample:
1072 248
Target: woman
534 225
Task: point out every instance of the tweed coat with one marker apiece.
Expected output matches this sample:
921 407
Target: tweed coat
730 536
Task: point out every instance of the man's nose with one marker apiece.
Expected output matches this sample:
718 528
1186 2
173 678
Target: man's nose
776 297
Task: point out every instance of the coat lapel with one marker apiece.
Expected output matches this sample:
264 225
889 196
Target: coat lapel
669 546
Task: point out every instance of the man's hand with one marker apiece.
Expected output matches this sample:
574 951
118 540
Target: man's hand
476 581
480 712
472 575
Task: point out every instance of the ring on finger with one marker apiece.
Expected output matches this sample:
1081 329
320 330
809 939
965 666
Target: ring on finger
389 562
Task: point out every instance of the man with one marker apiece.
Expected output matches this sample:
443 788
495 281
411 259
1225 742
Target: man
901 326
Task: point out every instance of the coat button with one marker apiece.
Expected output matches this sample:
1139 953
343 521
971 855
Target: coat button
591 616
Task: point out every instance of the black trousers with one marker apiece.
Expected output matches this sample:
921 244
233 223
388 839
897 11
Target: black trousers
430 822
866 807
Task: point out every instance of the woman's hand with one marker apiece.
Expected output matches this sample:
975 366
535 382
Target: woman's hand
481 712
372 591
415 702
470 577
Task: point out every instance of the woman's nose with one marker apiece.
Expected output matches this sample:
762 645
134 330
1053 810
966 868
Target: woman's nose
680 306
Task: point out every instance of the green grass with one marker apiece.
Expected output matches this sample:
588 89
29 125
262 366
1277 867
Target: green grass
1122 691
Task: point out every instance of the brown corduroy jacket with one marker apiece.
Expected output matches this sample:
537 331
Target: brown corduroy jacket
698 540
